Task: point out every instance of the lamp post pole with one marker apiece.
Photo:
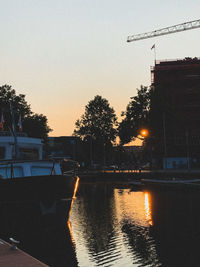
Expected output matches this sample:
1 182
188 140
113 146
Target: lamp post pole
165 143
187 147
14 131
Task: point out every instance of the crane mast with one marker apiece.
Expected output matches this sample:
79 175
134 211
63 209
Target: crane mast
172 29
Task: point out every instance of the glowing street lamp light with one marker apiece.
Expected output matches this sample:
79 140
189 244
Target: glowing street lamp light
144 133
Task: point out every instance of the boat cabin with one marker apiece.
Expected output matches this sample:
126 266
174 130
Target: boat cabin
29 161
16 169
28 147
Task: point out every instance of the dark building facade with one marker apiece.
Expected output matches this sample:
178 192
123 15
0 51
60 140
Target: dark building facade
175 113
64 146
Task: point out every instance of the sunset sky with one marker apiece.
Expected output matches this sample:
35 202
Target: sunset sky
62 53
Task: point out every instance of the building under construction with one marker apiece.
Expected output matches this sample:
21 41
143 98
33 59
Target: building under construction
175 115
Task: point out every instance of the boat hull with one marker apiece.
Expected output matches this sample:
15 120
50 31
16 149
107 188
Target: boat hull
37 188
35 201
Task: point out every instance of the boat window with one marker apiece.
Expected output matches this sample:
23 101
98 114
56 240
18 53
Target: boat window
5 172
2 152
28 153
37 171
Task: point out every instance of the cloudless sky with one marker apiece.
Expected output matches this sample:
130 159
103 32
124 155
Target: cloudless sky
62 53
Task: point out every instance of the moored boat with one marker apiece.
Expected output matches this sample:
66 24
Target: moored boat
29 178
171 183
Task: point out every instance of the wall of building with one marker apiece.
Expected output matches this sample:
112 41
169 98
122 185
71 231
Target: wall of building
64 146
176 109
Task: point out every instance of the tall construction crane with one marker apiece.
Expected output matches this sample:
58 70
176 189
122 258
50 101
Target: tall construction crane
172 29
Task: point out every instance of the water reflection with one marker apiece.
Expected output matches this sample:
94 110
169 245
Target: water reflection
177 227
111 225
132 206
46 237
148 208
73 197
134 216
94 225
108 225
122 227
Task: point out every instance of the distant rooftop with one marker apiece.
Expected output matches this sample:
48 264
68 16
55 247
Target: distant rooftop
195 60
176 64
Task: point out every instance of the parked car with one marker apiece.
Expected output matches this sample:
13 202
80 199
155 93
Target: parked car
113 167
146 166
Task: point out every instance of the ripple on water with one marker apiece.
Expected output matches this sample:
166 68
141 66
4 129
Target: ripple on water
120 227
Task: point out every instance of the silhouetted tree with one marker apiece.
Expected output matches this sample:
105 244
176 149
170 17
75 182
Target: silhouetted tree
35 125
97 125
136 115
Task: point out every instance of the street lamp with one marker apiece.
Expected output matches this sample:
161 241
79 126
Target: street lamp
144 133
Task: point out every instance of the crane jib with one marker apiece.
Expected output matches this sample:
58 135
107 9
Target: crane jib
168 30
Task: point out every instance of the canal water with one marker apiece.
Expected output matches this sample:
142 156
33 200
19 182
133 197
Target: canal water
117 224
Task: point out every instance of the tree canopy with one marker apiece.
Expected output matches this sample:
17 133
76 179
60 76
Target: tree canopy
136 115
97 129
35 125
98 121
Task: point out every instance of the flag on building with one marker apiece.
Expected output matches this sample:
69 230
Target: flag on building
20 123
2 122
153 46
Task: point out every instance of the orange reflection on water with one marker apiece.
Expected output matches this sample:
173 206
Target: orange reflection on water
76 187
74 195
69 228
148 208
133 206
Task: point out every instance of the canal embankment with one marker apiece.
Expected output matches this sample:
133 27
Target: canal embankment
94 176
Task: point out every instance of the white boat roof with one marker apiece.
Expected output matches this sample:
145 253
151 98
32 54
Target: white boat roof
6 137
27 140
24 143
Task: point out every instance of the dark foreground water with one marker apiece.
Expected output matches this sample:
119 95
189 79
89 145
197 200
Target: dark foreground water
117 225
